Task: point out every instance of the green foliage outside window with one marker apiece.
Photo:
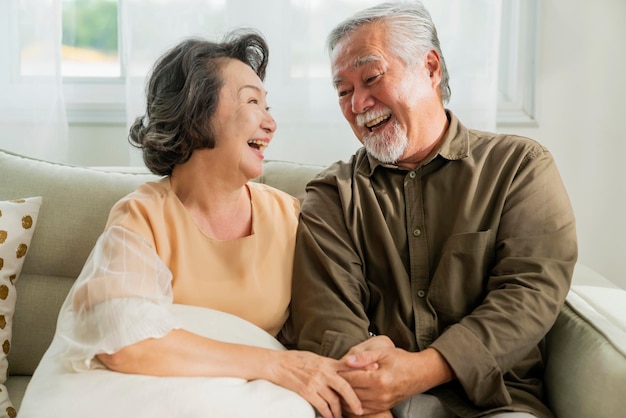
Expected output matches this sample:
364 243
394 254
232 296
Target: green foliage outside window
90 24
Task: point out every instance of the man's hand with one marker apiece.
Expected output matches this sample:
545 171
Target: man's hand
383 414
383 375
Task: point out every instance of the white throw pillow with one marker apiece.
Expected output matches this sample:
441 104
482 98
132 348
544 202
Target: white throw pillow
17 225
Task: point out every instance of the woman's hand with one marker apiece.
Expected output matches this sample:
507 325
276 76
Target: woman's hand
316 379
379 342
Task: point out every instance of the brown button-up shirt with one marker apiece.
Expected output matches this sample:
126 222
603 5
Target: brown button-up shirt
471 253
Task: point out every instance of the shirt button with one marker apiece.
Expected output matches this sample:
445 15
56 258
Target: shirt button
417 232
412 174
421 293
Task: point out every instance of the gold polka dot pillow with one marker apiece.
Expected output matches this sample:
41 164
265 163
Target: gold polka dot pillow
17 225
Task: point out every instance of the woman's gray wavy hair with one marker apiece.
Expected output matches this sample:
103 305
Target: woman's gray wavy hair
410 31
182 96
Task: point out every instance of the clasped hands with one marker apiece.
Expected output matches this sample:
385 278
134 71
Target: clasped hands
373 367
368 381
382 375
350 386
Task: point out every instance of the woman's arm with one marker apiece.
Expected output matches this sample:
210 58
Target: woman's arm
182 353
120 311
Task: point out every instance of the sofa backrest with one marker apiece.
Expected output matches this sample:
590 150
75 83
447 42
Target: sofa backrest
76 203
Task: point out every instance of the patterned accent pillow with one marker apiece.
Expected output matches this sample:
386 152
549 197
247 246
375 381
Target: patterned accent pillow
17 225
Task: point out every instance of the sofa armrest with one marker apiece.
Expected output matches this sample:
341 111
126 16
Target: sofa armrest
586 350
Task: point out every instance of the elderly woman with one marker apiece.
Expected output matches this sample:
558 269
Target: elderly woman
191 278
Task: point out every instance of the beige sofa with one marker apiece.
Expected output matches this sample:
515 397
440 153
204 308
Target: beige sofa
586 365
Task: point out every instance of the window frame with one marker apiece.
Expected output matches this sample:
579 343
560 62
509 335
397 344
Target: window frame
517 71
101 100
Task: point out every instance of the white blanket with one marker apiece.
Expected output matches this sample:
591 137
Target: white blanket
57 392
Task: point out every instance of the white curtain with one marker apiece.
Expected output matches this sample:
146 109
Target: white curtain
311 128
469 33
32 112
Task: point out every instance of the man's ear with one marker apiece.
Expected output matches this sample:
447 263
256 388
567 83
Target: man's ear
433 66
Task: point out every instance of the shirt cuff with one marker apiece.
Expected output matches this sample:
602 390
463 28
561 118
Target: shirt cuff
336 344
474 366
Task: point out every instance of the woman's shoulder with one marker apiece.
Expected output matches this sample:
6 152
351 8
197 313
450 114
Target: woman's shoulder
266 195
270 192
151 191
147 198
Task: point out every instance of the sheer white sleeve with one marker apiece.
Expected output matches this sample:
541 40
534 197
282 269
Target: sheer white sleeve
122 296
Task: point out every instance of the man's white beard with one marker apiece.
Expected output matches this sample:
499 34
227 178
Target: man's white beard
388 145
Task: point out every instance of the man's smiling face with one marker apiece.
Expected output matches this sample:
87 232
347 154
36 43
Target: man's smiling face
387 103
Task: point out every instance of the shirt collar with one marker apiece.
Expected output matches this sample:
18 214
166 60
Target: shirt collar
454 146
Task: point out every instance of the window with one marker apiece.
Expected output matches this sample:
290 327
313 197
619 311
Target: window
90 61
90 39
94 83
518 51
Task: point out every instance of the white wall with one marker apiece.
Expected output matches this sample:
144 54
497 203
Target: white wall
581 89
581 86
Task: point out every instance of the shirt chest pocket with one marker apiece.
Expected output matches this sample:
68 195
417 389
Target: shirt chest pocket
459 282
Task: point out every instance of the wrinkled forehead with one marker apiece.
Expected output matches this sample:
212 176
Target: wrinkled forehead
363 44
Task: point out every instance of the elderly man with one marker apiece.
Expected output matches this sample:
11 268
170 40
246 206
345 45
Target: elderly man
437 258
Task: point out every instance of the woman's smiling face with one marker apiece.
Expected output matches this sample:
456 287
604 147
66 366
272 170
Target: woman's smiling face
242 124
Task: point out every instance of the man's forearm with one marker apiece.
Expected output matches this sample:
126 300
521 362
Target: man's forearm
439 371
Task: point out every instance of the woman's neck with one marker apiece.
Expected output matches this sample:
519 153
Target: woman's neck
220 207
